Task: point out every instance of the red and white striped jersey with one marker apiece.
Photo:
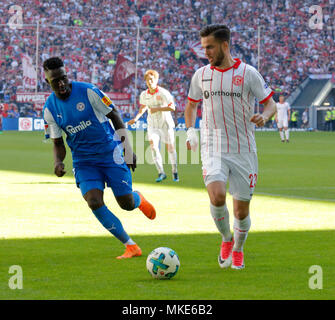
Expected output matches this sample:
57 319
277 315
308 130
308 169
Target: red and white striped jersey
160 98
228 102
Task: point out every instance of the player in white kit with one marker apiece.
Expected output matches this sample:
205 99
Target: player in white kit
159 103
227 88
282 117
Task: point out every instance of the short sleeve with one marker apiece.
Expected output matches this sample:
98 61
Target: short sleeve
53 128
195 92
258 86
142 98
99 101
167 97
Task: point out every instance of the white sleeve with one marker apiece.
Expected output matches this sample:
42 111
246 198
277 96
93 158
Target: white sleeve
195 92
167 98
98 104
258 86
54 129
142 98
288 106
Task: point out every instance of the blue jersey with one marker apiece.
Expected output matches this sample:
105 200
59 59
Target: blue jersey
82 116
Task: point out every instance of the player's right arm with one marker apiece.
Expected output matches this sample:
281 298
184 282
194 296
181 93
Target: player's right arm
193 99
59 156
140 113
59 150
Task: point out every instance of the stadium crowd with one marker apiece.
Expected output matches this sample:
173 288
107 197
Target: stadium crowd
87 32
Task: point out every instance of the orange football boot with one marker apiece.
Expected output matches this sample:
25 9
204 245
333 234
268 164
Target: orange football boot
132 250
146 207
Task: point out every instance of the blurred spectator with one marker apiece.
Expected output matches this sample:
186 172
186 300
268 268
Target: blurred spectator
87 32
304 119
13 111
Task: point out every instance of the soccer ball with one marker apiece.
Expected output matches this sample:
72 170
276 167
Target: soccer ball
163 263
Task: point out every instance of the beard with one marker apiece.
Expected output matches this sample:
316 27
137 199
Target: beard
219 59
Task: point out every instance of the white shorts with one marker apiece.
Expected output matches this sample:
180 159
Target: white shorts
166 135
240 169
282 123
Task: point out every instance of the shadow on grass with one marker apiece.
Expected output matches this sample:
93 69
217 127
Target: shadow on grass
277 267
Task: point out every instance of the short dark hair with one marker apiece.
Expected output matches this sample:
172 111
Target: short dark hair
53 63
219 31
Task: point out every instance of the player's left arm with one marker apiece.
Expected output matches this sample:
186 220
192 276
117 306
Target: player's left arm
169 107
102 104
268 111
264 94
121 130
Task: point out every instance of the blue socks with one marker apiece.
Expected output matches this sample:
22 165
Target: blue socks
137 199
112 223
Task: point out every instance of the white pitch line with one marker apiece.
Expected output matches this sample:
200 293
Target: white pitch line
293 197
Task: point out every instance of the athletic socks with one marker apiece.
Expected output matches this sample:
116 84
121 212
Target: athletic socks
157 158
241 228
111 223
173 160
137 199
287 134
221 218
282 135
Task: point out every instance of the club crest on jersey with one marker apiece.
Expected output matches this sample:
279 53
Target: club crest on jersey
237 80
106 101
80 106
159 98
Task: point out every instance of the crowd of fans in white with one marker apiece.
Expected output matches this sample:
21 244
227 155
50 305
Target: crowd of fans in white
87 32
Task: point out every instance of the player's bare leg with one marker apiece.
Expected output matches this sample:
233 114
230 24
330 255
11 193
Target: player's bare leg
219 211
172 153
157 158
241 227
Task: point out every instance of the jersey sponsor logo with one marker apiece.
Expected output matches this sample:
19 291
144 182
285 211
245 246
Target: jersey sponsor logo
207 94
81 126
204 80
237 80
159 98
106 101
80 106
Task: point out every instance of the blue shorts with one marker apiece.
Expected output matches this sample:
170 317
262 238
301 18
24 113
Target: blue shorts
118 178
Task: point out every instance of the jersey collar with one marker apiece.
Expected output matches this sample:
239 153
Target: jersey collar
235 66
153 92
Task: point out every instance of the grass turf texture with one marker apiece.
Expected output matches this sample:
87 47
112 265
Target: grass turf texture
65 253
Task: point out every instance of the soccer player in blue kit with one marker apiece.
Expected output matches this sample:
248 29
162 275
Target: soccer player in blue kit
101 153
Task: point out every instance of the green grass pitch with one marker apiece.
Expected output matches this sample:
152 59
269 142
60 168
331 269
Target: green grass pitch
48 230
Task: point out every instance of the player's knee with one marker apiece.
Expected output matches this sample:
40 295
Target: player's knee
218 199
241 212
94 203
170 148
126 203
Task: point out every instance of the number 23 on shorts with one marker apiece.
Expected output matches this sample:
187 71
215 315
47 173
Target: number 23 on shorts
253 180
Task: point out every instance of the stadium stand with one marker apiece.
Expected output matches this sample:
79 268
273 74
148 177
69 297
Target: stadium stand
85 32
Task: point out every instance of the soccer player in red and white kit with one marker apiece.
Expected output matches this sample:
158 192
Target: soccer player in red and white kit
282 117
227 88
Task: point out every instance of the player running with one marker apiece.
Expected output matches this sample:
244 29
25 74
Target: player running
159 103
227 88
282 117
82 111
